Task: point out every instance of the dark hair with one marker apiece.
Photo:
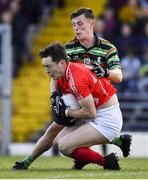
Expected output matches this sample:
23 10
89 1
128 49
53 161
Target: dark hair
88 13
55 50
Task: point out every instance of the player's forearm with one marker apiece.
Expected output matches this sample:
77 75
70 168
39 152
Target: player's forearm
115 75
82 114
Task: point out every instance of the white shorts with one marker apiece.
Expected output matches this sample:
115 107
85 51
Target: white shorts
108 121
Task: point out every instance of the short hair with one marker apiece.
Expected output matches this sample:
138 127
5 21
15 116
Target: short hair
87 12
55 50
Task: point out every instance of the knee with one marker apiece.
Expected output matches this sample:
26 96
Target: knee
64 148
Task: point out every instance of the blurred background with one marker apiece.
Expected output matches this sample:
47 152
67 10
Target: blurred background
26 26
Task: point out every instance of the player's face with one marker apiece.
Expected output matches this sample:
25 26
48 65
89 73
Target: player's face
83 27
53 69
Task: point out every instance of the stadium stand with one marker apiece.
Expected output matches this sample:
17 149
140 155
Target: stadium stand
135 111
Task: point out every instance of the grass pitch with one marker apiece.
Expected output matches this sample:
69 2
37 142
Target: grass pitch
60 168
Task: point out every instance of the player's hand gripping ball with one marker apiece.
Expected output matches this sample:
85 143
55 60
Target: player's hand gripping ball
67 101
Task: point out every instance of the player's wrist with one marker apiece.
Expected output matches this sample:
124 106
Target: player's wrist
67 112
53 94
106 74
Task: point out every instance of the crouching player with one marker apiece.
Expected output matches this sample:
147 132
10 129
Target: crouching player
98 121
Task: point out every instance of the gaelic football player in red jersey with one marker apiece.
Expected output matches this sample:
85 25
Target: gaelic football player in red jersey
98 121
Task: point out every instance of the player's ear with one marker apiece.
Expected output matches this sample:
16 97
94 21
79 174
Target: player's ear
63 61
92 22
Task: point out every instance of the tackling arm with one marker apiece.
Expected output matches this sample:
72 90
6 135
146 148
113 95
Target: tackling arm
115 75
114 65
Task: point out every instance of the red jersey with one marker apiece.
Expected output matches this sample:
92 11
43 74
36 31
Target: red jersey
81 82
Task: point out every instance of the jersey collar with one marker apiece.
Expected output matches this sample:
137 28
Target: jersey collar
97 42
67 70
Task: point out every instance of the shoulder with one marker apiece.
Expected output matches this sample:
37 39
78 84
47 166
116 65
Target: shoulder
73 47
106 44
109 47
78 78
71 43
78 71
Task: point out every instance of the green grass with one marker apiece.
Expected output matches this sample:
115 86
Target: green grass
59 167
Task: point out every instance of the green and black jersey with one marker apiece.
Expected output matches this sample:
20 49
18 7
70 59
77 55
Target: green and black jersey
103 53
